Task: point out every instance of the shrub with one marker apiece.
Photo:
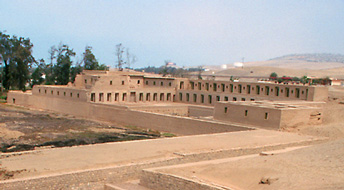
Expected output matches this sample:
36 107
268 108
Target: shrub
168 135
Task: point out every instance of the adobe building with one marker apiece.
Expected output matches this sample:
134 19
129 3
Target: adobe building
120 89
113 87
116 87
208 92
270 115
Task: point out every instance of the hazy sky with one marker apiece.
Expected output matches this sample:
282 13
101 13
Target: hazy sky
187 32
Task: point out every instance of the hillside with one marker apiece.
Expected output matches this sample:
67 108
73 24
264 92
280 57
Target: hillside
303 61
318 65
315 57
266 71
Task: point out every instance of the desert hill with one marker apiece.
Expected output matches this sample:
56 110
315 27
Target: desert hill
317 65
303 61
315 57
266 71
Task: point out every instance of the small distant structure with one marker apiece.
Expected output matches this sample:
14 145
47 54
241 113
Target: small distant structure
171 64
238 65
224 66
336 82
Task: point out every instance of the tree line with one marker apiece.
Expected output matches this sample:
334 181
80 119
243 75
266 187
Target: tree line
171 71
303 79
18 67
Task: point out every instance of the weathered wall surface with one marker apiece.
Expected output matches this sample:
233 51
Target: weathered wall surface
248 115
197 111
300 117
120 114
157 180
319 94
18 97
274 116
207 92
62 92
171 110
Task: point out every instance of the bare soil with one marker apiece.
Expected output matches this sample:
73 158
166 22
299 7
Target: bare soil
314 167
333 123
23 129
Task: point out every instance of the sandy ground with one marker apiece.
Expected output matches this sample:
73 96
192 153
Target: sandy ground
333 123
59 160
315 167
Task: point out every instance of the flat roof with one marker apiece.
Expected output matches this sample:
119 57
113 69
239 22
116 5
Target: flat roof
156 77
275 105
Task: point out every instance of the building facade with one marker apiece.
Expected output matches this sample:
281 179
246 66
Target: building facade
123 87
236 102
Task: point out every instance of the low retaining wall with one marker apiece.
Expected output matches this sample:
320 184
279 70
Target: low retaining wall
158 180
170 110
198 111
122 115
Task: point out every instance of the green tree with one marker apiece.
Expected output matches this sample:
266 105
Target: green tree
89 60
63 64
103 67
5 57
304 79
37 74
279 80
273 75
77 69
295 79
16 58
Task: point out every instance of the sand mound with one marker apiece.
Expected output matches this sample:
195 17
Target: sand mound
9 134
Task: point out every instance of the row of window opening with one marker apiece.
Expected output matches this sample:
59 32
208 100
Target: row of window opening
266 115
249 88
132 97
210 98
139 82
58 93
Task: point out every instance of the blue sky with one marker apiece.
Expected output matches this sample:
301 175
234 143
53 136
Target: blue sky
190 33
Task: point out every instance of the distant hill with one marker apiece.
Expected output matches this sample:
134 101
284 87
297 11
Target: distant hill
315 57
266 71
314 61
319 65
